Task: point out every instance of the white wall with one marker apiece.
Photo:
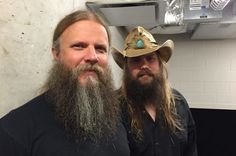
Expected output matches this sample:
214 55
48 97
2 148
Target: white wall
205 72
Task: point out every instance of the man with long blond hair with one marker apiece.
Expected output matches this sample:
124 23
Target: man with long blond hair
157 117
78 114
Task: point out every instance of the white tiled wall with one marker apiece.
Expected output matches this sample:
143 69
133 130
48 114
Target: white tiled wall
204 71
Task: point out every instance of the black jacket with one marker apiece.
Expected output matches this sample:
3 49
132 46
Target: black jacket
160 141
31 130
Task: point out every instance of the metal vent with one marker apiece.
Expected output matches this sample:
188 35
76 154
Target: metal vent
127 13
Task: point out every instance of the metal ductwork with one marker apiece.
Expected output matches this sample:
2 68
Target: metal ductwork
169 16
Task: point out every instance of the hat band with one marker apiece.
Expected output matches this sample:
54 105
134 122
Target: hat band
139 47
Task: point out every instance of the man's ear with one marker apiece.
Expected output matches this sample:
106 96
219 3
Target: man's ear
55 54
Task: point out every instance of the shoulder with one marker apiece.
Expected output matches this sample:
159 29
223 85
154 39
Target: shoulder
27 110
20 124
182 108
180 101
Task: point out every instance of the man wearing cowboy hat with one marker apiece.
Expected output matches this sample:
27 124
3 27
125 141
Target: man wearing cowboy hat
157 117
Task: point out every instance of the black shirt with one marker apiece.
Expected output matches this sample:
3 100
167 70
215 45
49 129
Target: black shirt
161 141
31 130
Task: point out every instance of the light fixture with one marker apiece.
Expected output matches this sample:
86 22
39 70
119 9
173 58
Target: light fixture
219 4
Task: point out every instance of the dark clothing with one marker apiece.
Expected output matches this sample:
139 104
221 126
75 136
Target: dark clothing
31 130
159 140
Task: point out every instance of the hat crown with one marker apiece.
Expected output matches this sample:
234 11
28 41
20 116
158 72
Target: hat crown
141 42
139 38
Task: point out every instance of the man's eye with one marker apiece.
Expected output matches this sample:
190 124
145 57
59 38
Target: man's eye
101 50
150 58
78 46
134 60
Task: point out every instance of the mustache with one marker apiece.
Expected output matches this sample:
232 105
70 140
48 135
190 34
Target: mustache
87 67
145 72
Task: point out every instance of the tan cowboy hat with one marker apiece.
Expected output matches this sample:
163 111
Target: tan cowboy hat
140 42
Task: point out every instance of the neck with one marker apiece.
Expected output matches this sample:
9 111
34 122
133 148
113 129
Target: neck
151 109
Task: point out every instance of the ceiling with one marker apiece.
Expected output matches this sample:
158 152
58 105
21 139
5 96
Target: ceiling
200 21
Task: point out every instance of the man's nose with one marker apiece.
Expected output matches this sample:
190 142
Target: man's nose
144 63
91 56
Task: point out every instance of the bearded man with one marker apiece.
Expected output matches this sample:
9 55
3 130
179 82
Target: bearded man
78 114
157 117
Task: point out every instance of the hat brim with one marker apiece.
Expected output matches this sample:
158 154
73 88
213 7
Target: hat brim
165 51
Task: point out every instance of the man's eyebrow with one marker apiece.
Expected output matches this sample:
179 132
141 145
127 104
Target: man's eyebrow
79 43
101 46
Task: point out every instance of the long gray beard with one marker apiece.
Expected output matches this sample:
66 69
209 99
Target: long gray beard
88 111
